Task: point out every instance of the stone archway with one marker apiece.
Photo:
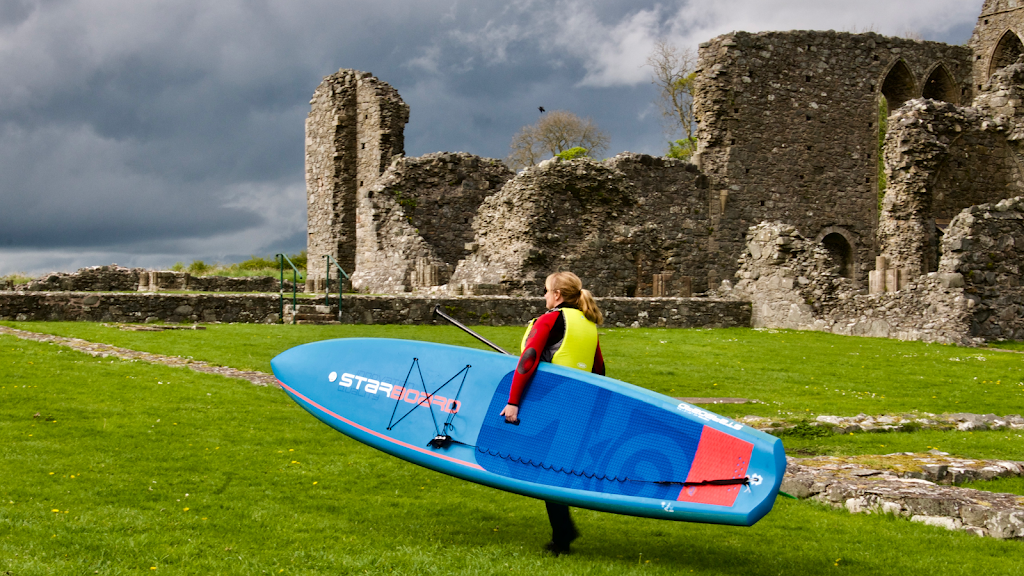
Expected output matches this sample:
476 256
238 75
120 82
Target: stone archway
1006 52
899 85
940 86
839 243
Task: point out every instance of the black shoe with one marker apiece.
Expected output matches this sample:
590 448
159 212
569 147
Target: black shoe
557 549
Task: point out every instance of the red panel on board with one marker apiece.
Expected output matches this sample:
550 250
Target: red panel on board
719 457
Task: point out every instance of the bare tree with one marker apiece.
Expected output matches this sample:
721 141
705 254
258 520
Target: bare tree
555 132
674 73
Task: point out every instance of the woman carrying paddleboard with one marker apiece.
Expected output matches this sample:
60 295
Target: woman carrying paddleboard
565 335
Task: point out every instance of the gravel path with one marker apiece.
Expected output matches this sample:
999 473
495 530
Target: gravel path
106 350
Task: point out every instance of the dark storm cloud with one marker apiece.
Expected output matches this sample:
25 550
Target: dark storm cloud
151 132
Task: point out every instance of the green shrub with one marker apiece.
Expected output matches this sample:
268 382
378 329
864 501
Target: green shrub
257 263
298 259
573 153
17 278
682 149
178 267
198 267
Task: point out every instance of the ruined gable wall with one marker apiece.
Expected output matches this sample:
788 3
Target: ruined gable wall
788 130
355 126
997 18
415 221
615 223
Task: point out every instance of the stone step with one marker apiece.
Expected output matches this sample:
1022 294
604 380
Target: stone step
298 317
311 309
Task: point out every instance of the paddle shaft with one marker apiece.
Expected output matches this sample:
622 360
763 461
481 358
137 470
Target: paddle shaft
437 310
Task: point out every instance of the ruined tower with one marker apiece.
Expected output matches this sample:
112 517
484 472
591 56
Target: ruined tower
355 126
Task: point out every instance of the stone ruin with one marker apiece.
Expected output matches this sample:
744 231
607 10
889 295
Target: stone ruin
788 130
114 278
975 295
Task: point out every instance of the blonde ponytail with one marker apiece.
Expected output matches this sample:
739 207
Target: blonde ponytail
588 306
570 287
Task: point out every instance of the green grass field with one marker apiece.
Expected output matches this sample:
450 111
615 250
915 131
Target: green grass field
792 374
133 467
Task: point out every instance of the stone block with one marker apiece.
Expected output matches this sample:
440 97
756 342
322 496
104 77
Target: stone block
925 506
892 279
951 280
876 282
1006 524
938 521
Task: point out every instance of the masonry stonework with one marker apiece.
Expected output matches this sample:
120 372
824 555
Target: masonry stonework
355 126
616 223
359 309
789 129
416 221
976 295
996 41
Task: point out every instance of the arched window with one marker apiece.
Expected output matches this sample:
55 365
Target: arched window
842 253
1006 52
940 86
899 85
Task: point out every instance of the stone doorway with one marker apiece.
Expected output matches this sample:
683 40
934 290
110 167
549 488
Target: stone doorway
841 251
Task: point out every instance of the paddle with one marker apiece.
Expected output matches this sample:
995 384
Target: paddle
438 312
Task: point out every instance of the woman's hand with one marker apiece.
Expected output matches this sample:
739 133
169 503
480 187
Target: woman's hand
511 413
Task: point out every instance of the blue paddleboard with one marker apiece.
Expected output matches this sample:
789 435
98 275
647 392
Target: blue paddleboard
583 440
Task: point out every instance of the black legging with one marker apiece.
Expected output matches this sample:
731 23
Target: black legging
563 531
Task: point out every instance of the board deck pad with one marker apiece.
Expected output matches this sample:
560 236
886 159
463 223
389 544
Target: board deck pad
603 442
583 439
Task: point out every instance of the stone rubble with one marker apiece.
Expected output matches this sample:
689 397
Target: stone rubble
892 422
974 296
911 486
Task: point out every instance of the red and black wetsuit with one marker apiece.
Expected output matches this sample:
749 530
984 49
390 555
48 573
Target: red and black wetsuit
544 340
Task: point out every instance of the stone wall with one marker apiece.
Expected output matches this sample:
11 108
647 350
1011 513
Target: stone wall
243 284
416 221
116 278
360 309
355 126
615 223
93 278
996 40
793 283
975 296
139 307
789 129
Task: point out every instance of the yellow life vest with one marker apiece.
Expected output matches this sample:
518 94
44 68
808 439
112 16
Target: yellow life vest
579 343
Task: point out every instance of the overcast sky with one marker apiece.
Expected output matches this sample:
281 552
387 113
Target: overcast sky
145 132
